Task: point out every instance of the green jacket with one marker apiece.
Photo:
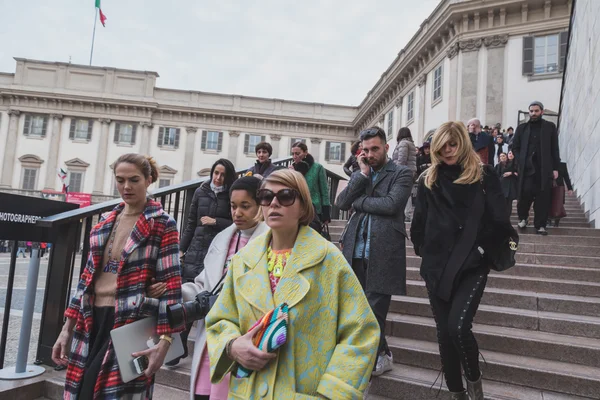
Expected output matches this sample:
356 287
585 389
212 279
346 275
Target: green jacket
317 184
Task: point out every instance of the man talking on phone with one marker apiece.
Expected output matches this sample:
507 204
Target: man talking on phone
374 242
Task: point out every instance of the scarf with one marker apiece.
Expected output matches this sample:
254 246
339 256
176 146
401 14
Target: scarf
217 189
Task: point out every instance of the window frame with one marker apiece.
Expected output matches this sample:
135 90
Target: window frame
169 181
341 156
216 135
80 134
81 181
295 140
437 86
251 146
410 107
167 134
557 54
390 123
29 128
120 133
35 178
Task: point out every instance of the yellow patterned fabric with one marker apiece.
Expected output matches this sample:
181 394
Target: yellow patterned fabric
332 332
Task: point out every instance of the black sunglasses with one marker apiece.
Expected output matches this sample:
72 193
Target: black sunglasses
368 133
285 197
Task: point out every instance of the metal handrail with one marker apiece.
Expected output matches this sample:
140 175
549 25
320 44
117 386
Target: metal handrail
99 208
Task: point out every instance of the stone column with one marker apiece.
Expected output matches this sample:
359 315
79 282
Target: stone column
101 158
275 139
145 137
188 158
496 46
233 147
451 53
470 66
421 82
10 149
54 151
315 149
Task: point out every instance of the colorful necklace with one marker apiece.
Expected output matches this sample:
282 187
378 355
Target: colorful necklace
276 261
112 265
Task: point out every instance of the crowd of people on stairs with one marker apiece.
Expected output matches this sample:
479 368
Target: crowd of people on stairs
285 313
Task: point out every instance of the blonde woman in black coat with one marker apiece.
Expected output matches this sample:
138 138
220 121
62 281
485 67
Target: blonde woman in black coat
446 202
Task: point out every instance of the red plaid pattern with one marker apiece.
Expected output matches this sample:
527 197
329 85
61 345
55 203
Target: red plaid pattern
152 251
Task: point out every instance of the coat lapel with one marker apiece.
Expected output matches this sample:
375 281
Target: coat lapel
307 253
389 166
254 285
141 230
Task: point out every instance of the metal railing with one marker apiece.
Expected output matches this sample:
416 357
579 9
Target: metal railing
73 233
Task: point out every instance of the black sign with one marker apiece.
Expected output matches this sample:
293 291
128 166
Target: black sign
18 215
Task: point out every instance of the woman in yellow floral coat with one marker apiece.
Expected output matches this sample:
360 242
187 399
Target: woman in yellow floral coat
332 335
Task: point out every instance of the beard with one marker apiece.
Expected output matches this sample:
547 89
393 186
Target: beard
535 118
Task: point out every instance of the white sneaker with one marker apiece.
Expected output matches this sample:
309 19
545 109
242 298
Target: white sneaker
384 364
522 224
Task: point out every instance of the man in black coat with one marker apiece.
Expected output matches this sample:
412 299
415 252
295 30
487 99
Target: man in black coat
374 241
483 143
535 147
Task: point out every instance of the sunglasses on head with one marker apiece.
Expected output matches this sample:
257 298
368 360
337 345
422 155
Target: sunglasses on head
285 197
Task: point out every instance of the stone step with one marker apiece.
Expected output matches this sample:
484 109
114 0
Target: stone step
55 383
529 258
529 343
407 382
537 271
581 223
177 377
551 322
541 302
524 238
536 373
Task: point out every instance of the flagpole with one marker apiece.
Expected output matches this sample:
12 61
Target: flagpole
93 36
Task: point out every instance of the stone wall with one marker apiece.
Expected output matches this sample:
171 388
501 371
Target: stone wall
580 115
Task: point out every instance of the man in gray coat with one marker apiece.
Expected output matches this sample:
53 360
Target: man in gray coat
374 241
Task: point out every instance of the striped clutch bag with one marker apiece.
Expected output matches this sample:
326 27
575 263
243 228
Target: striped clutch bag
271 336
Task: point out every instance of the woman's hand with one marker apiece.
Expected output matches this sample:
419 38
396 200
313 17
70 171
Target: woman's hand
60 350
244 352
156 357
208 221
507 174
291 166
157 289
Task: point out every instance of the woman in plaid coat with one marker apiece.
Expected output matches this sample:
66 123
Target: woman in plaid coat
132 246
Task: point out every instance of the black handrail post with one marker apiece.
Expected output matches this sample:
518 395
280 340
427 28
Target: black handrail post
56 295
8 300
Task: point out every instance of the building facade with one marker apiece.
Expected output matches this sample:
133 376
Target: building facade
468 59
580 113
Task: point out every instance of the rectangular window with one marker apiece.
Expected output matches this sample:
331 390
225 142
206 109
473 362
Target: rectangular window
35 125
212 140
545 55
164 182
115 189
75 182
335 151
390 123
437 83
295 140
250 142
125 133
29 177
410 107
168 137
81 129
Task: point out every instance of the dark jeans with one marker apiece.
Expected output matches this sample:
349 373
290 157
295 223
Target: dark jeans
531 193
454 322
379 302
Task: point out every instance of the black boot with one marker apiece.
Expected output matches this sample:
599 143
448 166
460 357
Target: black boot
459 395
475 389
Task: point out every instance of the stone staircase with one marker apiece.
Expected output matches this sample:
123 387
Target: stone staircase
538 327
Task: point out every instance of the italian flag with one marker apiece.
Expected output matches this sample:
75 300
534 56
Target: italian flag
102 16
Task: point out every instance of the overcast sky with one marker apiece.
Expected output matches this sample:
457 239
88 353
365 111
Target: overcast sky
329 51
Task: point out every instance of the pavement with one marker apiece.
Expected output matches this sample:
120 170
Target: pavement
18 299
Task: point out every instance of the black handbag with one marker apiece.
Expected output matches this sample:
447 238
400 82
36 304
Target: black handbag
502 257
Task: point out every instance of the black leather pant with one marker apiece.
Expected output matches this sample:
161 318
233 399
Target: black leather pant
454 322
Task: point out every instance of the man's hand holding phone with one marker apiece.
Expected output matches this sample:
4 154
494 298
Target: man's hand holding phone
365 169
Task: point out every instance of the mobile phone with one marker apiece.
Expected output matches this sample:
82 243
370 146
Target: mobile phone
140 364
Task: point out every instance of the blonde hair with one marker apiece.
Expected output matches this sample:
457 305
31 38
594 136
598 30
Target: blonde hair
454 131
294 180
146 164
